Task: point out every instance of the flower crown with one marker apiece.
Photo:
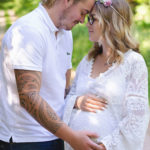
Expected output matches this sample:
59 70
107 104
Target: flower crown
108 3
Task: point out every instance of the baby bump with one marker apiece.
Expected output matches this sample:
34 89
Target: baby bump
101 122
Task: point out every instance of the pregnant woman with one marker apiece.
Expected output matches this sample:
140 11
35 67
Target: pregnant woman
109 95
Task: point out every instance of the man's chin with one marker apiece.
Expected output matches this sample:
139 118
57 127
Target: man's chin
70 27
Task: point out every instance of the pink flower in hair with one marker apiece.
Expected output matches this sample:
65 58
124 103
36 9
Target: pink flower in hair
107 3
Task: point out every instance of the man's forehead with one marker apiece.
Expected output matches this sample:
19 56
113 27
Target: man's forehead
87 5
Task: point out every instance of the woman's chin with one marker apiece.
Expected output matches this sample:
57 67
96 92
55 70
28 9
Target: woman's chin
92 39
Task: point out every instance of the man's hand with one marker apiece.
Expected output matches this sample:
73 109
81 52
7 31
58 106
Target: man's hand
82 141
90 103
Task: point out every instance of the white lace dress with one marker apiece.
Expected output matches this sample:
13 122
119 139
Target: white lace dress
122 125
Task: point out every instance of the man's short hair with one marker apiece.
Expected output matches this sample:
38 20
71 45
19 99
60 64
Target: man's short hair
50 3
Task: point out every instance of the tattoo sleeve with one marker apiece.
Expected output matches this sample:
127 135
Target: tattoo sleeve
28 84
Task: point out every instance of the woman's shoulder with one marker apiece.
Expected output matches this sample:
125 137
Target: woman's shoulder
133 57
85 60
134 62
84 64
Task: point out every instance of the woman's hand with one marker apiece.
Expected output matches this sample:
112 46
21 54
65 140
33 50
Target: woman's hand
102 146
90 103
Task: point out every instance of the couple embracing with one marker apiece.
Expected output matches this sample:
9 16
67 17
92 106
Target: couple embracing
107 105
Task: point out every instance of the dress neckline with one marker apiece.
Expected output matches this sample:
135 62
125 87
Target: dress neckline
101 73
114 65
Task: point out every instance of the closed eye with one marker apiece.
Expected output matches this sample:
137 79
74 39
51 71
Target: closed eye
84 12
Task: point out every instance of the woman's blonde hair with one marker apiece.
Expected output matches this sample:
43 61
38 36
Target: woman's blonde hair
115 29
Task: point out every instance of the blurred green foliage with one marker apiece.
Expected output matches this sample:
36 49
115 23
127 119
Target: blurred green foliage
6 4
142 13
81 43
24 6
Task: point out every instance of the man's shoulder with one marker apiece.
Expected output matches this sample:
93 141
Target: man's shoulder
27 26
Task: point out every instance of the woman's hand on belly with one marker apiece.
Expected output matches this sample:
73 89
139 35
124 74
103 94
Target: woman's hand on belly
102 146
90 103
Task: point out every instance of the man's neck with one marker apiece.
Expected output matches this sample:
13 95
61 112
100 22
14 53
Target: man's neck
54 13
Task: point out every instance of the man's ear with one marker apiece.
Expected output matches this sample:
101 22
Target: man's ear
68 3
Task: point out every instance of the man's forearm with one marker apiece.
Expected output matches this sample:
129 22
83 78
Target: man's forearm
41 111
45 115
28 84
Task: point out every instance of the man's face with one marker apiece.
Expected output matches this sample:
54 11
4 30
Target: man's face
75 13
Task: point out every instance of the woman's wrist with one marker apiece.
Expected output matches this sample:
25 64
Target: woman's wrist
76 105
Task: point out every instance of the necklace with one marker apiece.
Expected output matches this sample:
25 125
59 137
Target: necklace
107 64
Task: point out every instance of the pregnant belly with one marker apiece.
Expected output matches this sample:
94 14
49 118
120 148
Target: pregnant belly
101 122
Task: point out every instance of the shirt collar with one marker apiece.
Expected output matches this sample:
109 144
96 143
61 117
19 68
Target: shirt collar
48 21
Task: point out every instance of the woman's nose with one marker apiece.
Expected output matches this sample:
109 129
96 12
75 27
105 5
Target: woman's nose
87 24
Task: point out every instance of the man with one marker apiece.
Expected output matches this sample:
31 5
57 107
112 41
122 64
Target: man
34 62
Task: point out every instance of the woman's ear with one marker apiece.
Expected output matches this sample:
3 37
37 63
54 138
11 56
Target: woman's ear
68 3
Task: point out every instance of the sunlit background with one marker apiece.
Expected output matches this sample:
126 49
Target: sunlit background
10 10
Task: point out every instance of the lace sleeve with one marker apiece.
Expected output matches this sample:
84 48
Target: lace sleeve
71 97
130 133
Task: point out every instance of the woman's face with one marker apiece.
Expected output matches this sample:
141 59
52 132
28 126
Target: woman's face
93 26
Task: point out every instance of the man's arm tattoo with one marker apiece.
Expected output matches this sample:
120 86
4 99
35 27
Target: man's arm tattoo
28 84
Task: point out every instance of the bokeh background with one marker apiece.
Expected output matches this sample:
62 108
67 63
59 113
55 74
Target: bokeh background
10 10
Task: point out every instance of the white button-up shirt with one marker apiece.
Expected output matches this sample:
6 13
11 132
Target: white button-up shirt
31 44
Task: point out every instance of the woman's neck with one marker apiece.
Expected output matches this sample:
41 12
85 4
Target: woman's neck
107 51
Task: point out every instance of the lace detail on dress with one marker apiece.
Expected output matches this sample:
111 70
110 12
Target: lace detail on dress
133 126
126 89
91 67
91 63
